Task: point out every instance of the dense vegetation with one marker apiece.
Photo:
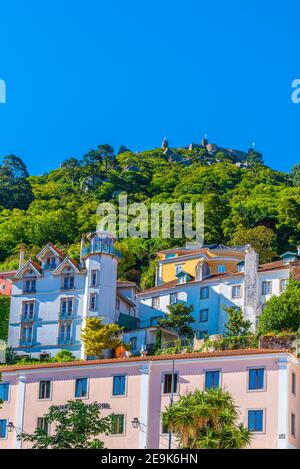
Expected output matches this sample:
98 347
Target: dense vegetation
254 204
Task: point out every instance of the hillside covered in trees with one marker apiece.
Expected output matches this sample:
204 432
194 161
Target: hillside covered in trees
252 204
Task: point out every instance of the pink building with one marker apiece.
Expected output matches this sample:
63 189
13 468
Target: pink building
265 385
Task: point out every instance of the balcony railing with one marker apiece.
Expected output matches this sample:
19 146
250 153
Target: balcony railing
65 315
64 341
101 247
26 318
25 343
49 266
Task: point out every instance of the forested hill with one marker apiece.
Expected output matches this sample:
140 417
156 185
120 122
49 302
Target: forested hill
252 204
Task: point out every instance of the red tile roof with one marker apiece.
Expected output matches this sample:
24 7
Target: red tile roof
155 358
59 252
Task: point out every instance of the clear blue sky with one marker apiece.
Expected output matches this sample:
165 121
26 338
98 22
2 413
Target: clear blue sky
80 73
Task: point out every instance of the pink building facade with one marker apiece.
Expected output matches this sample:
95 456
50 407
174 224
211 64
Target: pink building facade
265 385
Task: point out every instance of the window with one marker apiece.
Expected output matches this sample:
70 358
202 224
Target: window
204 293
173 298
26 335
93 301
203 315
50 263
241 267
212 379
154 321
170 256
255 420
236 291
27 310
3 429
68 282
118 424
81 387
202 335
4 392
44 389
94 278
64 334
182 279
119 385
117 304
30 285
293 384
256 378
221 269
155 302
42 424
167 389
66 306
283 284
266 288
293 424
178 269
133 343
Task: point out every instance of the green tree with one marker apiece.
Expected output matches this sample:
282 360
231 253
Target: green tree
97 336
236 324
206 420
64 356
4 316
15 190
261 238
179 319
282 313
77 426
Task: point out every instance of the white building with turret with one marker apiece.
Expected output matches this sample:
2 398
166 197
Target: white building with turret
52 298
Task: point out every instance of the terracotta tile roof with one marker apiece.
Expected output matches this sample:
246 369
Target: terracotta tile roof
8 275
273 265
184 356
62 254
36 265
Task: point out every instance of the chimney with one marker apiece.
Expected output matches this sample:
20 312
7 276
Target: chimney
81 247
22 253
251 302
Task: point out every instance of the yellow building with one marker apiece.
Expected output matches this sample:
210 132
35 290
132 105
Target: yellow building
215 258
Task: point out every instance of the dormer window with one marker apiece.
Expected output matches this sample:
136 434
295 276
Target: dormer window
49 263
221 269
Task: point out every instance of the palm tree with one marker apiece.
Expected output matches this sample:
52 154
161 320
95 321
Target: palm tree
206 420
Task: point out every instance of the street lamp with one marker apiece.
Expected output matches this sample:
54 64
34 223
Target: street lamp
135 423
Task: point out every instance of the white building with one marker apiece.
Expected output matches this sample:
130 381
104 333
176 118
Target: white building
52 299
248 288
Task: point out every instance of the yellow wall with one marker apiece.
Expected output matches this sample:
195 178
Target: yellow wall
169 270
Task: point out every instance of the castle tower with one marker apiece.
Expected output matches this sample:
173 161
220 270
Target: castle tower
165 144
100 259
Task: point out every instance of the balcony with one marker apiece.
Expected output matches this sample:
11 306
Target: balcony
64 341
65 315
26 318
49 266
29 290
25 343
101 246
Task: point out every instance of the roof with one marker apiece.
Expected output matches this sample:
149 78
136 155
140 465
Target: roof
277 265
125 283
155 358
8 275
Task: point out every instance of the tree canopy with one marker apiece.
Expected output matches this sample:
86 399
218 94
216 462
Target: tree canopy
254 204
282 313
206 420
77 426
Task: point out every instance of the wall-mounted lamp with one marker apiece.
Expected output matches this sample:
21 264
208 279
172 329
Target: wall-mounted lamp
135 423
10 427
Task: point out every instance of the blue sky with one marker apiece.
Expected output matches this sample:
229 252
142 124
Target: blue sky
131 72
